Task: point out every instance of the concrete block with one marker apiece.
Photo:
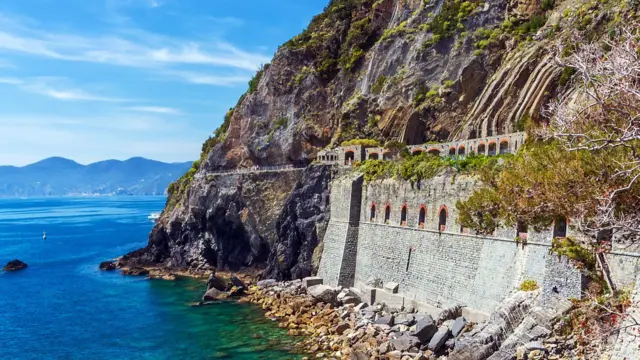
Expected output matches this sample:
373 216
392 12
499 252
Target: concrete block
458 326
391 300
312 281
439 339
391 287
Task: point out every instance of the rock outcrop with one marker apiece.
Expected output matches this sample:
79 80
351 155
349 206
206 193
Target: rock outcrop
390 70
107 265
14 265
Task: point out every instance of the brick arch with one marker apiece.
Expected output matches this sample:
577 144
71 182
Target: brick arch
387 212
443 216
462 150
422 216
374 155
404 212
503 149
489 147
372 208
484 148
434 151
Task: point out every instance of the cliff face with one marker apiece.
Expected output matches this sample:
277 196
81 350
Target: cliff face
407 70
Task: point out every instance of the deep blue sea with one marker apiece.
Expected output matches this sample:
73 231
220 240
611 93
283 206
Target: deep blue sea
63 307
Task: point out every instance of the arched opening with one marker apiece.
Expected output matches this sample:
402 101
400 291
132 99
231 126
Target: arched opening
461 150
387 156
387 214
434 152
417 152
403 216
482 150
492 148
452 151
349 156
504 147
560 227
422 217
373 156
442 219
372 218
522 230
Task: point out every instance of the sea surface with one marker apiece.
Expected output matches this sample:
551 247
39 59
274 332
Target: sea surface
63 307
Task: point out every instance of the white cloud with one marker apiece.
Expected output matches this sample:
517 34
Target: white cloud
125 47
156 109
206 79
52 87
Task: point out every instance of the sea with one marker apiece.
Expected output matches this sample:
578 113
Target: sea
63 307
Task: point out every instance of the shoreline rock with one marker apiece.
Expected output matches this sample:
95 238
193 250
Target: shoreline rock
15 265
108 265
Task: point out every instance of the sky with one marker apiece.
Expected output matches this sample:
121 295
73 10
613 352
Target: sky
92 80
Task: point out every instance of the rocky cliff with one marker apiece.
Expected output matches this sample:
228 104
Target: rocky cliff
390 70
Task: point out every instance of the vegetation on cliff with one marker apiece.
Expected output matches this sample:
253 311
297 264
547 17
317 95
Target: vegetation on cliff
585 164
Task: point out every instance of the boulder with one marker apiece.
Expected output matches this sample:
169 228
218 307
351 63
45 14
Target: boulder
312 281
214 294
385 320
347 296
404 319
15 265
405 343
135 271
440 337
458 326
263 284
236 291
215 282
324 293
107 265
360 306
425 329
235 281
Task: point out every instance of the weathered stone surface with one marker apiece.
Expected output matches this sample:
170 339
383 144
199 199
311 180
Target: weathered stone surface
215 282
405 342
425 329
404 319
392 287
347 296
312 281
107 265
235 281
385 320
214 294
263 284
440 337
135 271
15 265
458 326
324 293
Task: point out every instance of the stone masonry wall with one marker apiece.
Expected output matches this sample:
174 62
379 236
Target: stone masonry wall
439 265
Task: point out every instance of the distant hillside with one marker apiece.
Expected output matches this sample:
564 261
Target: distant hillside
59 177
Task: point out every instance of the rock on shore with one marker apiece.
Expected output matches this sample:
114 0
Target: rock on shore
15 265
108 265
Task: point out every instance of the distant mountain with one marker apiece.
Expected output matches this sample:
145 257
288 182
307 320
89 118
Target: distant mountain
58 176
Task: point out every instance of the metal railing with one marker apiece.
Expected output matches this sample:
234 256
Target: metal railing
254 169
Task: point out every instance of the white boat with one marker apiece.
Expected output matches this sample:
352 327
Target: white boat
154 216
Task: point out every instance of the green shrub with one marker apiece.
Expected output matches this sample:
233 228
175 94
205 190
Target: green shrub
547 5
362 142
377 86
574 251
350 59
567 74
529 285
372 121
253 83
532 26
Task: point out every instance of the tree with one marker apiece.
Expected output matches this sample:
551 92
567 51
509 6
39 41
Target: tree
602 117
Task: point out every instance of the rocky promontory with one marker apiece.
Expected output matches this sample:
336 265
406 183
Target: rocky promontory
15 265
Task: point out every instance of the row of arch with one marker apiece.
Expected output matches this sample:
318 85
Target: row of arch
493 149
559 226
422 216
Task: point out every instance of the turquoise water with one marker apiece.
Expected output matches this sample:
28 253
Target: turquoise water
63 307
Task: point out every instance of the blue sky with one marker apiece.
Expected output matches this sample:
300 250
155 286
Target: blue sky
112 79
